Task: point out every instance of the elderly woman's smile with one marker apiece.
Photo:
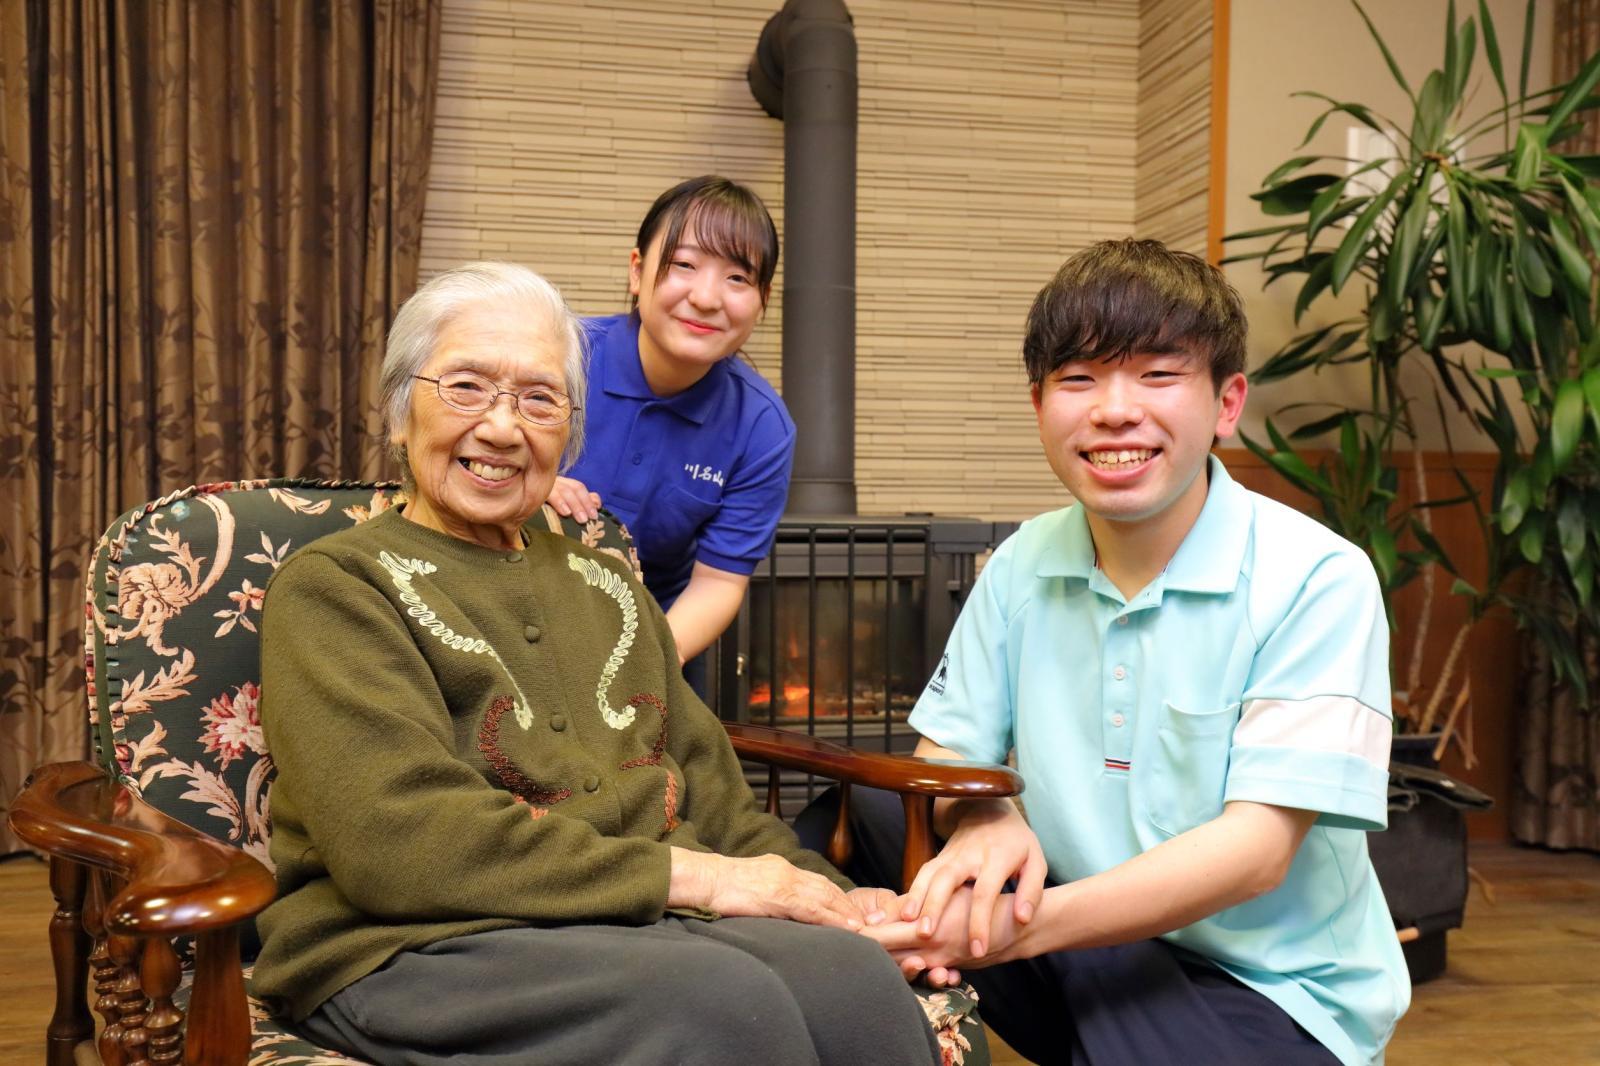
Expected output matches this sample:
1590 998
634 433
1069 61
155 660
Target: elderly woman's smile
488 471
480 475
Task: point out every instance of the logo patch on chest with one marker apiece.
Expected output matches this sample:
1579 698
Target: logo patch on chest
703 472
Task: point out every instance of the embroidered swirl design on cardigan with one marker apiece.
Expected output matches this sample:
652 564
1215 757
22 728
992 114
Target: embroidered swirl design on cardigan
653 758
612 585
538 798
401 572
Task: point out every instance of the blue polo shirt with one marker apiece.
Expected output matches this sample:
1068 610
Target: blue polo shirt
1255 667
700 476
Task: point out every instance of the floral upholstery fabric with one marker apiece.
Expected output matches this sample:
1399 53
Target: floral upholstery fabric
172 661
173 669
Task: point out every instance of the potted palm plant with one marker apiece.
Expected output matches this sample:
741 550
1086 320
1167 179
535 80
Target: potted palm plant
1471 243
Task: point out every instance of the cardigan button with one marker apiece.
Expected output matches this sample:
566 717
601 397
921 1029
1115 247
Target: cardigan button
591 784
558 722
531 633
514 557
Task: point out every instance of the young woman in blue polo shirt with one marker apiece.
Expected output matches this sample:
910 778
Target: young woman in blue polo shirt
688 446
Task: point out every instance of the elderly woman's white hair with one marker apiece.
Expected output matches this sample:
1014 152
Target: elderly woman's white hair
416 331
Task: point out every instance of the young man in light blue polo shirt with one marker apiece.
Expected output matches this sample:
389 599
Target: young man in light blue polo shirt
1195 681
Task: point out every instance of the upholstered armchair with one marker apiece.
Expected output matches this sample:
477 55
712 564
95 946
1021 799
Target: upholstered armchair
158 847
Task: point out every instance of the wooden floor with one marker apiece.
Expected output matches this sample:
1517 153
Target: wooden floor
1522 988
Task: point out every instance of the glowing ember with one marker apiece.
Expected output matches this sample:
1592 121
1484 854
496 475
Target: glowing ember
795 698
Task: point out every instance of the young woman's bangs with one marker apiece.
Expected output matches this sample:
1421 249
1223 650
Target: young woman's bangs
722 229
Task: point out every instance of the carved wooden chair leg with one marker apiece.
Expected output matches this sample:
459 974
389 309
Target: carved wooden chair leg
132 1006
104 969
919 836
841 844
774 803
160 973
69 953
219 1020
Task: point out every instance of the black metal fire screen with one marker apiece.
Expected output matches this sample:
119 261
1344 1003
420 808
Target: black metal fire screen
842 625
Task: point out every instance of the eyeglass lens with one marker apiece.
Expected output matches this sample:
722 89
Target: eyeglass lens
471 393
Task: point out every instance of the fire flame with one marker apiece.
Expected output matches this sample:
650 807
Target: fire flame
795 699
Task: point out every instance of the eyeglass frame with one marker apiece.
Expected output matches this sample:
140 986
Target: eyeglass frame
516 399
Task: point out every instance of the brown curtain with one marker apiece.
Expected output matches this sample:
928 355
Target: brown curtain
1557 797
208 216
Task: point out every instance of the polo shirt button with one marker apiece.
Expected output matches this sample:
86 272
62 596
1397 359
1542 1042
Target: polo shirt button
638 457
1122 619
514 557
1119 673
531 633
558 723
591 784
1117 720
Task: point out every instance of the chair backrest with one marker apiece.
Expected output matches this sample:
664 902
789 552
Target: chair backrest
172 646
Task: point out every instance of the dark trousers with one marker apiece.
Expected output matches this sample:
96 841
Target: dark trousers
735 992
1128 1005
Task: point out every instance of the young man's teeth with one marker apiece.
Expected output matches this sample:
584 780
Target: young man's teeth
489 473
1121 458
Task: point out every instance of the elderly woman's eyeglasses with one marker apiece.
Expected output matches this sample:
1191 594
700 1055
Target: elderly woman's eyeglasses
468 392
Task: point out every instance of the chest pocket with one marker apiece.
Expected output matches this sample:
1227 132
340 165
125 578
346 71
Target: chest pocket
1184 787
677 516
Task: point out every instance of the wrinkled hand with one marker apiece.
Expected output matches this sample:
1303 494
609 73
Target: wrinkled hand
572 499
937 955
876 905
991 844
766 886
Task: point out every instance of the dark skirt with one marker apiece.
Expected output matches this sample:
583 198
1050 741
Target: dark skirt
734 992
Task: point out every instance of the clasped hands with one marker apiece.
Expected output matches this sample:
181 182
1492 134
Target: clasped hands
956 912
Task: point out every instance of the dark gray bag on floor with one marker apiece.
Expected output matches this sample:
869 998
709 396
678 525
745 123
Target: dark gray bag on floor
1422 860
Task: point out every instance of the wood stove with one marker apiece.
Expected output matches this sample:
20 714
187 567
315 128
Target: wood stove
843 624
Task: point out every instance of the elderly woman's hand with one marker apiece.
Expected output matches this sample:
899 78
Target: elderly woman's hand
572 499
765 886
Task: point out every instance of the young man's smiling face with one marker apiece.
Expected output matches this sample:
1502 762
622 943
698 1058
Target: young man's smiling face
1129 437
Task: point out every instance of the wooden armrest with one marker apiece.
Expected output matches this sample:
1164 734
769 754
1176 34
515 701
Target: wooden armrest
919 782
896 773
179 881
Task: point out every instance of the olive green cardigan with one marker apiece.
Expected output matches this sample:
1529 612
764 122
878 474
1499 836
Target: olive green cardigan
469 739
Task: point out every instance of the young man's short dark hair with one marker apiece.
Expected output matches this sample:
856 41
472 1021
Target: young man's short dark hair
1119 298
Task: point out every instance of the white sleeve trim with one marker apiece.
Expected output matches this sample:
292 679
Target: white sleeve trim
1340 724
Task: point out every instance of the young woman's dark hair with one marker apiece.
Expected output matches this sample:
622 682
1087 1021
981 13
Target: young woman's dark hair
1118 298
728 219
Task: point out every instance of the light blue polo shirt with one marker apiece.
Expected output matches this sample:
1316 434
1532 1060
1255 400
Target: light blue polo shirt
700 476
1255 667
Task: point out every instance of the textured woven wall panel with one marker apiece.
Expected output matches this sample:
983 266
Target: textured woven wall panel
1174 122
995 138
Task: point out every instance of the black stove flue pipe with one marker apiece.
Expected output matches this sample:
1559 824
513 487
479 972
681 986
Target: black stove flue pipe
804 73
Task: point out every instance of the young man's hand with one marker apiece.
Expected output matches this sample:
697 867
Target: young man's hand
938 955
991 844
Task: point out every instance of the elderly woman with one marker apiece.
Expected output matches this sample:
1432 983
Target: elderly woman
505 830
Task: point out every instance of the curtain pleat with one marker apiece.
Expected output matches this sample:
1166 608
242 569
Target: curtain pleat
209 214
29 732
